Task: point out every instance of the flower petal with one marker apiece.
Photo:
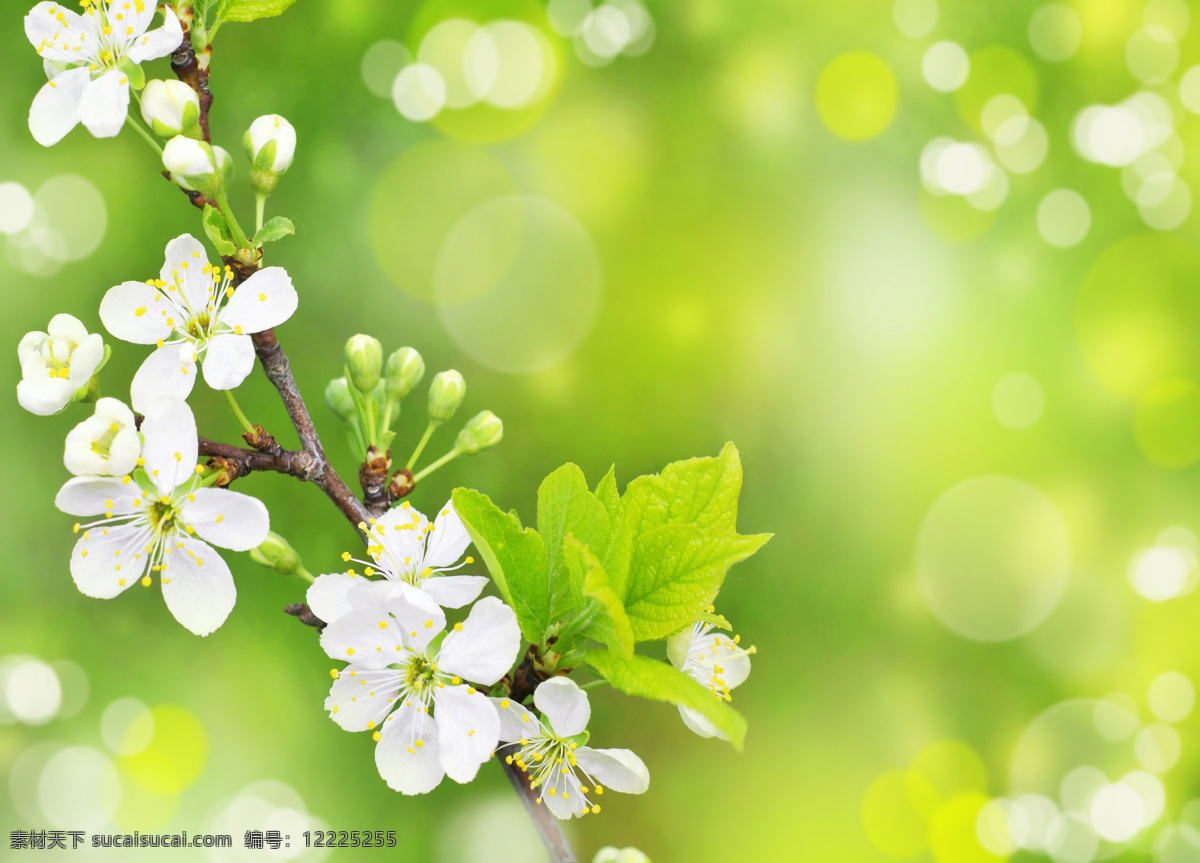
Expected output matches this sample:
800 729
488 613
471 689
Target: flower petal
698 723
405 766
454 591
94 495
136 312
516 721
486 646
106 561
55 109
468 730
197 585
366 636
104 104
227 519
183 270
264 300
166 372
44 397
419 617
361 698
564 704
618 769
170 444
228 360
336 594
566 802
448 539
66 328
85 359
157 43
54 37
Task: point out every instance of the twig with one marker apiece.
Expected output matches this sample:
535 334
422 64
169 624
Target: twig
541 816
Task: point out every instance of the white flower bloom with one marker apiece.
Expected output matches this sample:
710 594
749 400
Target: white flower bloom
56 364
105 444
407 550
161 520
91 55
170 107
192 312
266 129
550 751
430 722
713 659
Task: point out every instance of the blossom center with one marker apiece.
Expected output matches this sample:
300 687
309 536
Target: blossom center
103 444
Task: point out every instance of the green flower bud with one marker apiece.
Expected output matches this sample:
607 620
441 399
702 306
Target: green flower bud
405 368
196 164
364 360
171 108
445 395
609 854
277 553
270 144
484 430
337 396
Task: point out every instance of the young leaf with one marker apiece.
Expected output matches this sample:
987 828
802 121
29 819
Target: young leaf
252 10
607 494
658 681
218 231
675 573
275 229
612 626
515 557
565 506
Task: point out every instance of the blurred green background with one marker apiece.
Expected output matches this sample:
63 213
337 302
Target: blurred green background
931 265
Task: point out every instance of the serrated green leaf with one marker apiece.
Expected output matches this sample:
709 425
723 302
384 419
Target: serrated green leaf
658 681
612 626
218 231
675 573
607 494
565 506
515 557
275 229
252 10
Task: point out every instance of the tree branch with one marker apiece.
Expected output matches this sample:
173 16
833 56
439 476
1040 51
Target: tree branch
545 822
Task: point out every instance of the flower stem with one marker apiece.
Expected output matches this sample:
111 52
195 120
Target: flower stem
593 684
143 133
239 236
237 412
421 445
454 453
260 207
305 574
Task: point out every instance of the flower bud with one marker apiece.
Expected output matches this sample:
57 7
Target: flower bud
224 163
171 108
484 430
57 366
364 362
194 162
277 553
405 368
270 143
445 395
609 854
337 396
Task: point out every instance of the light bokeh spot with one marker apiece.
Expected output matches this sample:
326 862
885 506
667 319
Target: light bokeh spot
127 726
33 692
945 66
1018 401
1158 747
1064 218
381 63
78 789
857 96
176 754
1172 696
419 92
1152 54
995 71
1055 32
915 18
16 208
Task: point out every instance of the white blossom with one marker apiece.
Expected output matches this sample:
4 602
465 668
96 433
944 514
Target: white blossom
193 314
263 131
713 659
57 364
162 520
428 720
104 444
169 107
551 750
90 57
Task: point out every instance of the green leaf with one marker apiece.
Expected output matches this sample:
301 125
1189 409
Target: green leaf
275 229
515 557
218 231
717 620
612 627
252 10
675 573
658 681
565 506
606 493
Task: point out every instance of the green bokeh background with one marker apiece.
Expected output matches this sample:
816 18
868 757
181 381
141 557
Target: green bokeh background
764 281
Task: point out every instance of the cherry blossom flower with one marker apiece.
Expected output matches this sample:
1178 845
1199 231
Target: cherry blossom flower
104 444
162 520
89 59
427 721
58 364
713 659
192 313
551 750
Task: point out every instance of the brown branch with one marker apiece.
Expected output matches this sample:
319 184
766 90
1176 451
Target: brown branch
541 816
193 71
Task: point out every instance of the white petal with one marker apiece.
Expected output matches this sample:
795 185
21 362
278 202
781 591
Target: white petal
564 704
124 451
468 730
227 519
448 539
104 104
142 20
106 561
699 724
486 646
197 586
45 397
365 637
170 444
166 372
454 591
82 458
85 359
228 360
53 38
94 495
67 328
136 312
419 617
55 109
566 802
618 769
264 300
361 698
678 646
404 766
328 596
183 271
31 345
157 43
515 720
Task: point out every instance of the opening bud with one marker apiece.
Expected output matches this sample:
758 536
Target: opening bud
171 108
196 164
405 368
364 362
445 395
270 143
277 553
484 430
337 396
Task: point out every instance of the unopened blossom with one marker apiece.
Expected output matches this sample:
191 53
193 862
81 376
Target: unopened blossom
410 553
161 520
171 108
88 58
427 718
57 364
104 444
266 130
192 313
713 659
569 776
